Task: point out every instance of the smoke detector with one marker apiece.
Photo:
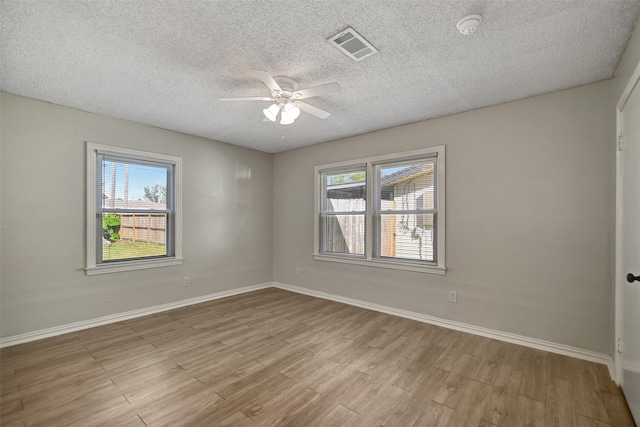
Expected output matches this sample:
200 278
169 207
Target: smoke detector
469 24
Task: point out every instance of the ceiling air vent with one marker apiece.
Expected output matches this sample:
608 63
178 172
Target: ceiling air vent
352 44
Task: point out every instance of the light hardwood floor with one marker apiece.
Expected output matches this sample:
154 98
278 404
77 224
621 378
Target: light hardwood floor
273 357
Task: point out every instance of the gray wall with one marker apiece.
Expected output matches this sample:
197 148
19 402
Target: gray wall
530 191
530 196
227 218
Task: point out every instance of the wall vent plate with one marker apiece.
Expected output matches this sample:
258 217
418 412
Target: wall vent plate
352 44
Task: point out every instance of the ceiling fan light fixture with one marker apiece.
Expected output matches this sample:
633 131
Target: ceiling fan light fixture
285 120
291 111
271 113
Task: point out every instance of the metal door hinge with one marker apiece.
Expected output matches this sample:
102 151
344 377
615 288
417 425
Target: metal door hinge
620 141
619 345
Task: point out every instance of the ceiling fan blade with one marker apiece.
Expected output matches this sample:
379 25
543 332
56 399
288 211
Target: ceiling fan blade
327 89
248 98
268 80
314 111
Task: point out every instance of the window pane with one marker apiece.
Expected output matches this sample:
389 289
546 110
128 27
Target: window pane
407 236
345 192
130 185
343 234
406 186
127 236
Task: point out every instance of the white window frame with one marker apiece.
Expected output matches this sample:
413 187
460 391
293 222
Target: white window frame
371 236
93 267
322 209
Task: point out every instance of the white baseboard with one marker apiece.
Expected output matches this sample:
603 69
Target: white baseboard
86 324
459 326
549 346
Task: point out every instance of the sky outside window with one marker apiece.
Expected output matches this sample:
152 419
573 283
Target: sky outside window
140 176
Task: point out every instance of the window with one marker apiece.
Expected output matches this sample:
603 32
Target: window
342 211
133 209
385 211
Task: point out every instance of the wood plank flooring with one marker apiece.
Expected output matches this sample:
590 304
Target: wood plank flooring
276 358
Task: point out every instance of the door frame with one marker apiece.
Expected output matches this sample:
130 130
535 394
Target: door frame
619 273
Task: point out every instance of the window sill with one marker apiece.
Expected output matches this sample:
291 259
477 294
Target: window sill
131 265
395 265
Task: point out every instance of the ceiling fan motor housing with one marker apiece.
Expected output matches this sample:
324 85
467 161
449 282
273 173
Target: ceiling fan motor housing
287 84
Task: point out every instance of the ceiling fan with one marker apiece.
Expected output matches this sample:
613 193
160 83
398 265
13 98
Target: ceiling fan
286 98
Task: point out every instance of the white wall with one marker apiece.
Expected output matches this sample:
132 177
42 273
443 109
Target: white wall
530 196
227 218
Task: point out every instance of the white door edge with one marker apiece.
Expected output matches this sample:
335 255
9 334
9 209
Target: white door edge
619 274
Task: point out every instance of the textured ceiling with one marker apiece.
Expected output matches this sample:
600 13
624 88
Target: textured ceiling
166 63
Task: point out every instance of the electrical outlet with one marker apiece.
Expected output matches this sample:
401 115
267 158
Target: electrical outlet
297 271
186 282
453 296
